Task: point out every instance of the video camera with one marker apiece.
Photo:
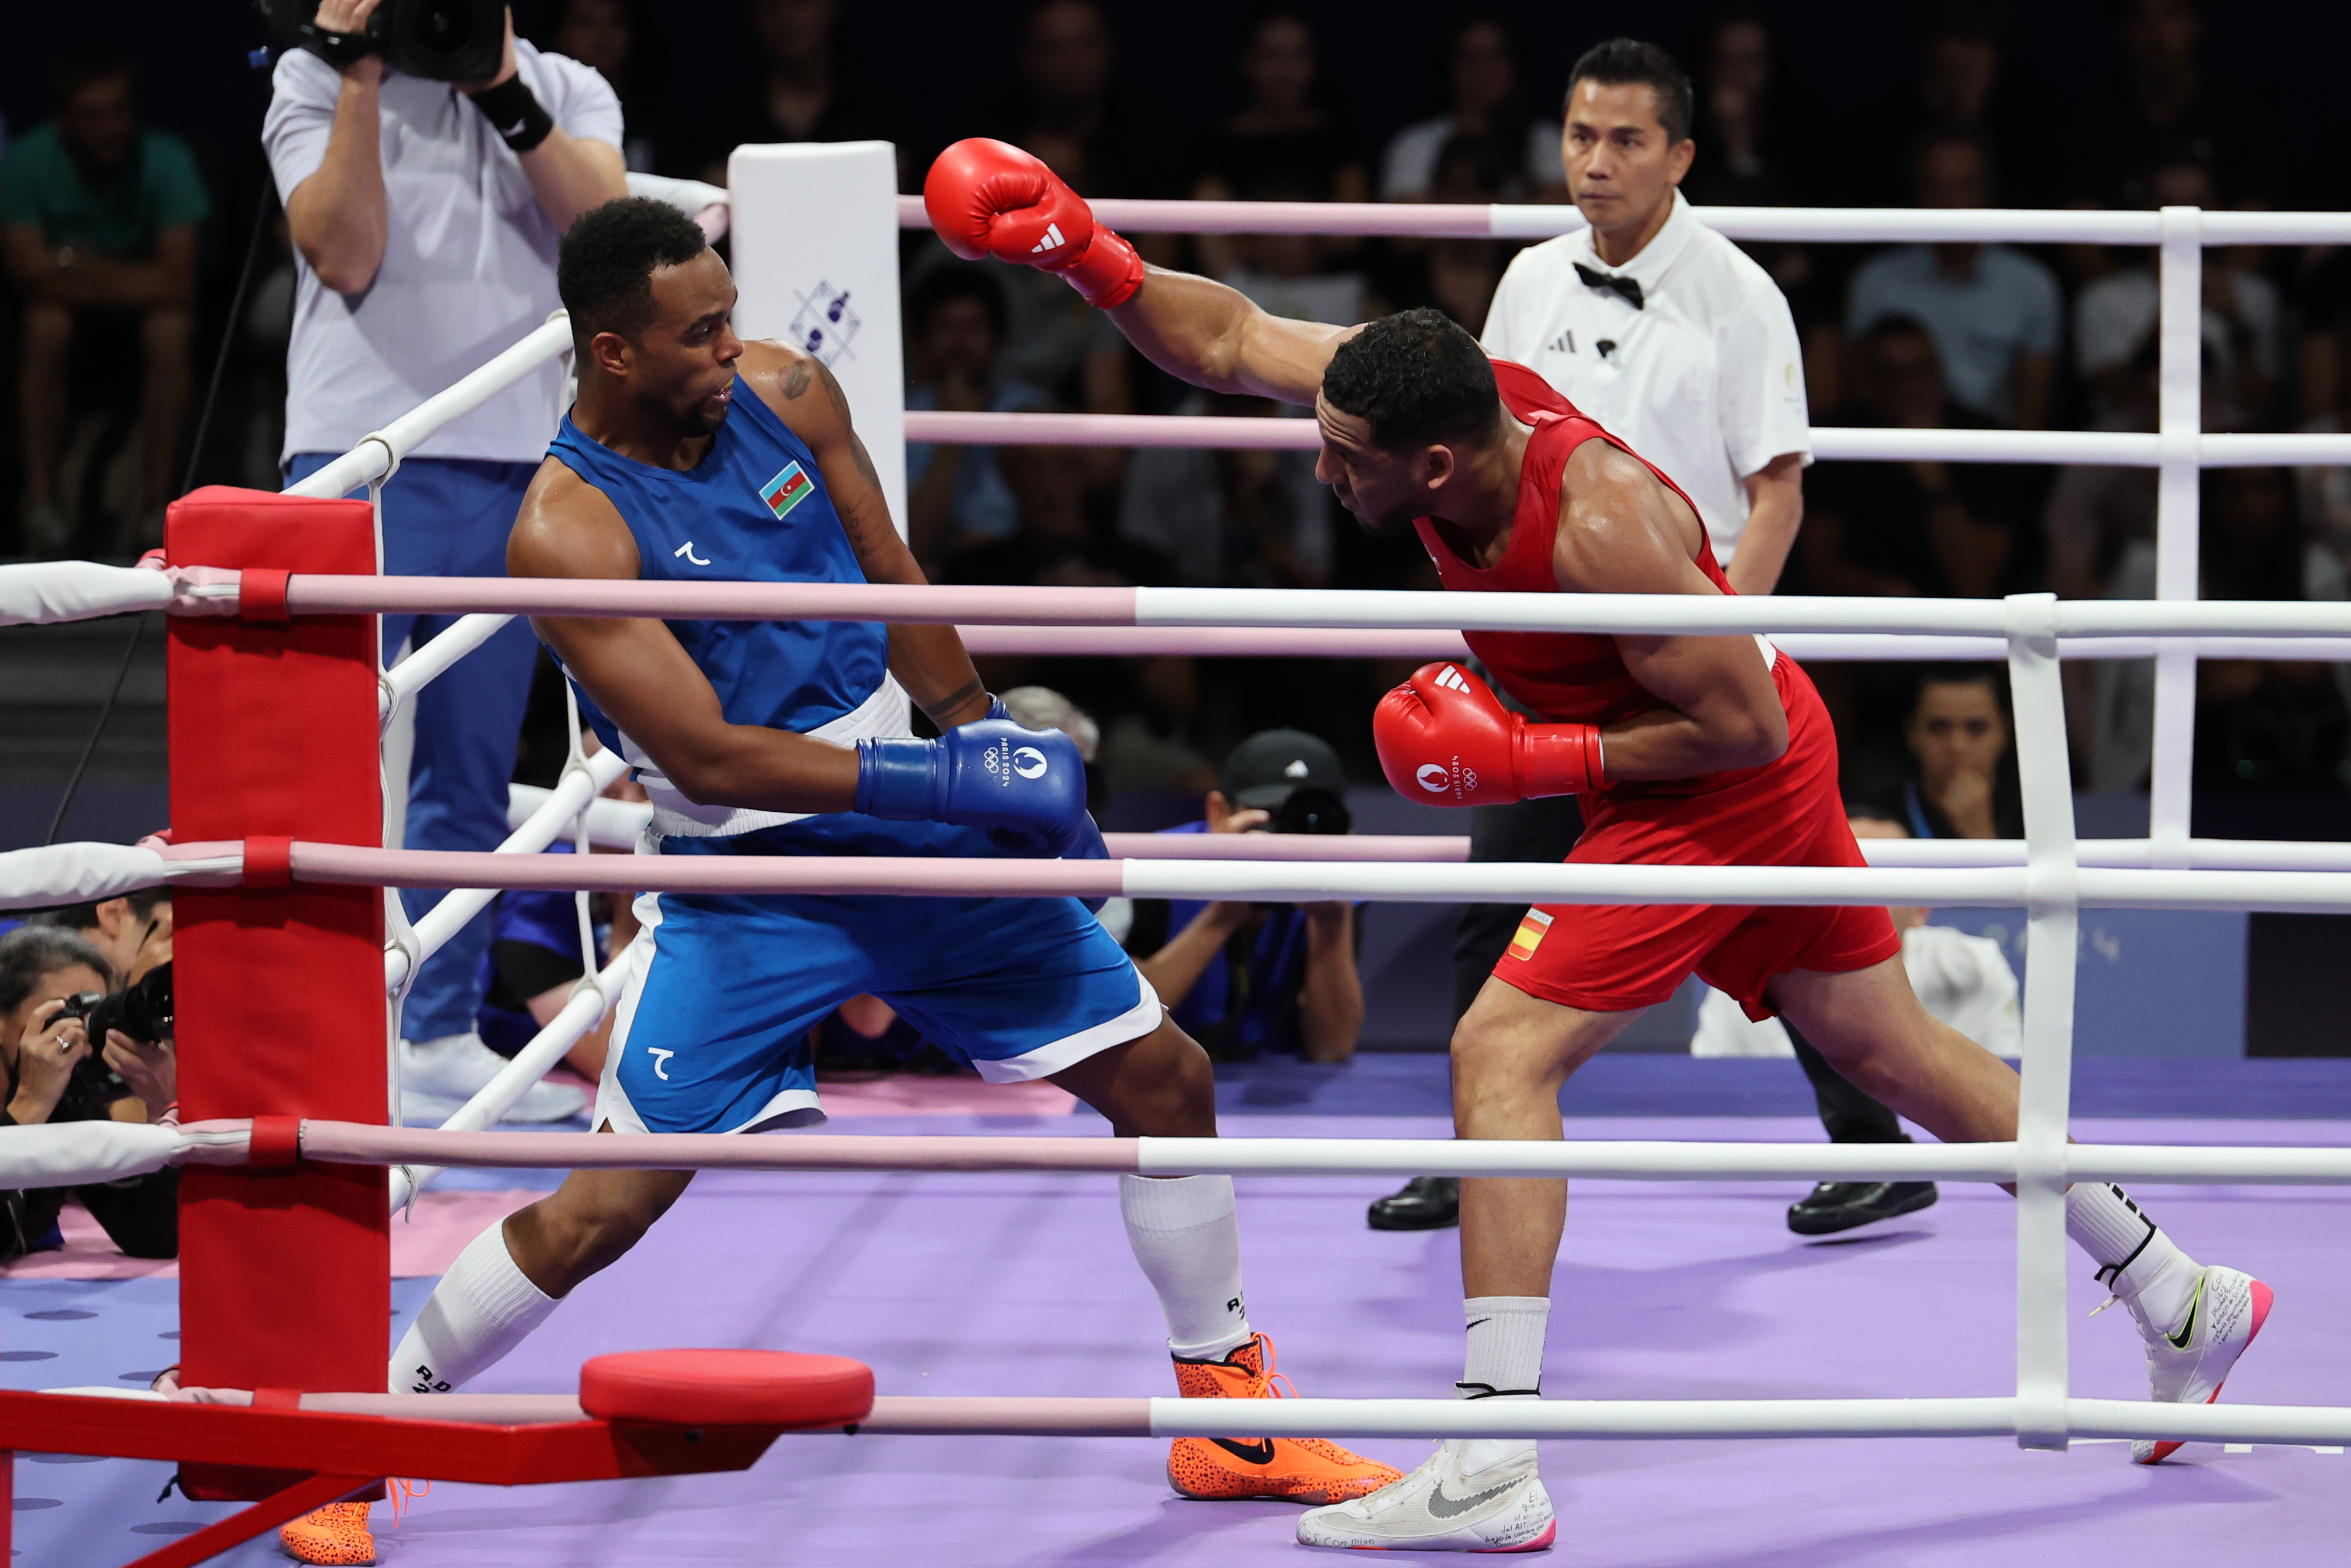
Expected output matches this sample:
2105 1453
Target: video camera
1312 810
440 40
142 1010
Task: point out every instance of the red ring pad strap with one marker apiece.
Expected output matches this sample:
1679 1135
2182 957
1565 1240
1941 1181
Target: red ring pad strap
261 596
727 1388
1560 760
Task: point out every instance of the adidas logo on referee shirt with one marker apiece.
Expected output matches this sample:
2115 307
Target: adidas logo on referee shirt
1052 240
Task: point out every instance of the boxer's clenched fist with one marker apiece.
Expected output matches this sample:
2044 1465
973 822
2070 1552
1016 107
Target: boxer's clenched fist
990 198
1443 740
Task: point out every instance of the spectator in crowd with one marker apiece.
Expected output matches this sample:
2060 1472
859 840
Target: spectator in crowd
1749 154
1961 781
956 324
53 1074
801 94
1457 276
2117 315
1962 87
1063 111
427 229
101 216
1280 136
1485 99
1906 530
2265 724
1964 980
2168 96
605 36
1745 156
1995 313
1246 979
1676 341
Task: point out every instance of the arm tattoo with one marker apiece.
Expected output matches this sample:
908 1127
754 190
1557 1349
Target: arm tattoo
832 390
938 711
798 381
864 462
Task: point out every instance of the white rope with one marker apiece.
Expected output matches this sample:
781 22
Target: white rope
84 1154
80 873
590 999
434 928
45 592
408 677
375 458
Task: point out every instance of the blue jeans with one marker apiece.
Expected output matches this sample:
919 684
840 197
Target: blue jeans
445 517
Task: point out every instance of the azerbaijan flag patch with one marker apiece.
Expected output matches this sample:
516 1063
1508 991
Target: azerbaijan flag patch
787 489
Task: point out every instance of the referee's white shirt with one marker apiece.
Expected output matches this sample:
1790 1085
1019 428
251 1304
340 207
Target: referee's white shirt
1705 380
468 267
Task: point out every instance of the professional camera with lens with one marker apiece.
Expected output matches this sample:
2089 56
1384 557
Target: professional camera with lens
142 1010
1312 810
440 40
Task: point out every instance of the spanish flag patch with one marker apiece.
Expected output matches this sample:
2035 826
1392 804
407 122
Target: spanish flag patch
1530 934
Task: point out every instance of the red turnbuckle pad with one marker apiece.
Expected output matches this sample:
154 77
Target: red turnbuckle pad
276 1144
261 596
727 1388
269 864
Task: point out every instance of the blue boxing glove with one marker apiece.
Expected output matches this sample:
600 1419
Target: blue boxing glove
1019 784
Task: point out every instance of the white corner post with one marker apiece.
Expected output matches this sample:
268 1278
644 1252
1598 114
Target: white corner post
2052 893
2180 324
815 231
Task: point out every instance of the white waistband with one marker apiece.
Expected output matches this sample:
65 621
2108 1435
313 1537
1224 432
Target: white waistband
886 712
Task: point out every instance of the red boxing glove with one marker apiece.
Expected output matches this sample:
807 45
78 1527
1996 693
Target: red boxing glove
990 198
1443 740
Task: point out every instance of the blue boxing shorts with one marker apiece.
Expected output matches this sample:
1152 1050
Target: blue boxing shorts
712 1030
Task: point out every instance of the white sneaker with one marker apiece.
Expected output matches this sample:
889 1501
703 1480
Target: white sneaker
1440 1508
455 1068
2189 1365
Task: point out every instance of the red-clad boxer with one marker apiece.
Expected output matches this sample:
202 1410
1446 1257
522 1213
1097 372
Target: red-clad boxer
1689 750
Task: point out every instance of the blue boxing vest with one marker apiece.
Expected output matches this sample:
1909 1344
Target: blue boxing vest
755 509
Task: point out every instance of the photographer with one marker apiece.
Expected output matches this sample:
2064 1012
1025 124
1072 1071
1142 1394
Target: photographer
51 982
425 215
1248 978
133 935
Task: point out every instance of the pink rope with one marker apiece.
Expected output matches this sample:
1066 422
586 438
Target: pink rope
358 1144
1429 219
1431 848
1216 642
1202 432
367 866
913 1415
905 604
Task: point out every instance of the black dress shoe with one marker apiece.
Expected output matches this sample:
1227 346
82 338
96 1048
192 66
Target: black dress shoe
1426 1203
1836 1205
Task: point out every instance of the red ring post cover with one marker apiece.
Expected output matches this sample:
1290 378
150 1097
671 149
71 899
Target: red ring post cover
727 1388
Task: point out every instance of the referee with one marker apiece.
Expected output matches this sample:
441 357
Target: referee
1670 336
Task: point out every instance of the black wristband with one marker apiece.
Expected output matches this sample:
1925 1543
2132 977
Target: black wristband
515 113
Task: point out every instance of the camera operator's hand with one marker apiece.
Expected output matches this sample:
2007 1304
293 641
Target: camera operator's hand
1224 819
149 1067
46 1054
352 17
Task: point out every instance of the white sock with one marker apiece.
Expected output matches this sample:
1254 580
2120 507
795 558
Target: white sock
2143 1267
1504 1361
482 1308
1187 1237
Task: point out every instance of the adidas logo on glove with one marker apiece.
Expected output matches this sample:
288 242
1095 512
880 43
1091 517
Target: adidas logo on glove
1052 240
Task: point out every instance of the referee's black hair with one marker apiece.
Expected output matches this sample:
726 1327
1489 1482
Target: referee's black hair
1418 379
1618 62
604 269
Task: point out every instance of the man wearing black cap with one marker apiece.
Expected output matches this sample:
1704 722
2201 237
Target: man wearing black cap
1250 978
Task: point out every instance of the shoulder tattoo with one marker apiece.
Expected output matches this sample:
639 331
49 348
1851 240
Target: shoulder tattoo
798 381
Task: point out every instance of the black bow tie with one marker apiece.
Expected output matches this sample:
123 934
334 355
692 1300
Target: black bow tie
1628 288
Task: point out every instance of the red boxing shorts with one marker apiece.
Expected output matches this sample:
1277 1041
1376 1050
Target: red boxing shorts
1618 957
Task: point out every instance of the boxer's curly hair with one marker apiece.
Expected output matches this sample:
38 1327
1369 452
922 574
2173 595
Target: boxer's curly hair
1418 379
604 270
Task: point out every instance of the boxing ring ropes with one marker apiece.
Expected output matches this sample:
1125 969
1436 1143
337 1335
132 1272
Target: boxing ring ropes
275 675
